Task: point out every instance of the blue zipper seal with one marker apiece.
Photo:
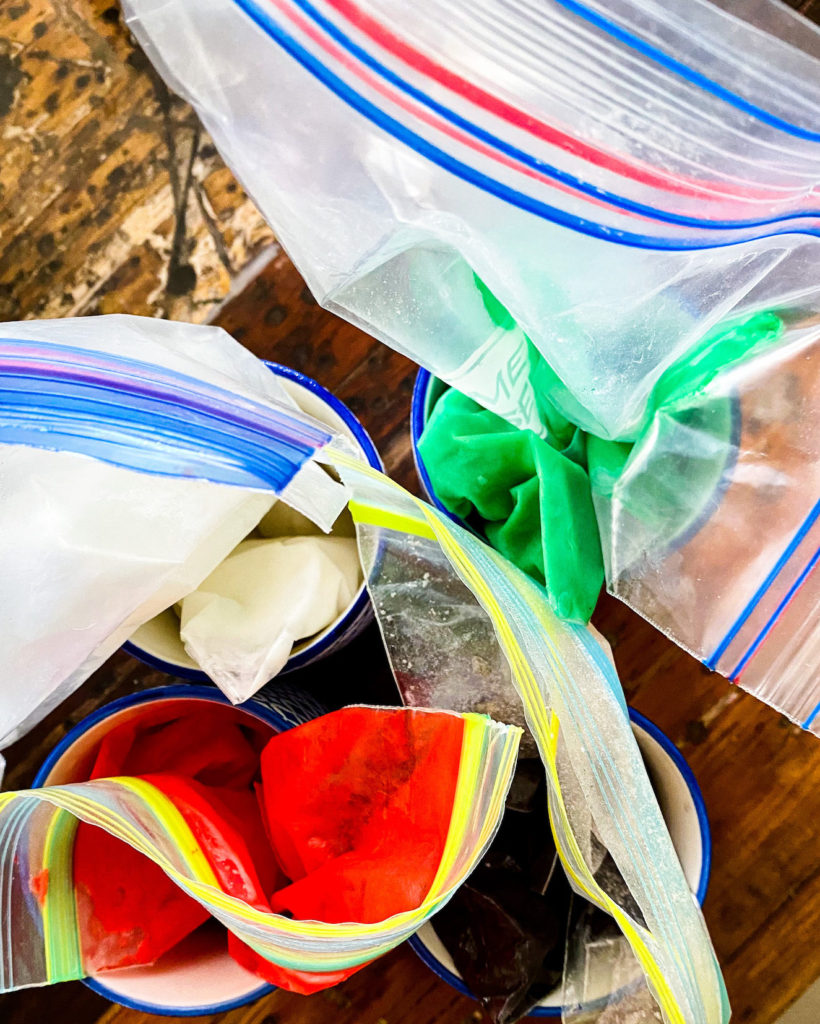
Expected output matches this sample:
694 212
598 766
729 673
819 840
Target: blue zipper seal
512 196
141 417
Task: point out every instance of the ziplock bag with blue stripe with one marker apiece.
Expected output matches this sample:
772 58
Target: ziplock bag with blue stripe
126 481
626 183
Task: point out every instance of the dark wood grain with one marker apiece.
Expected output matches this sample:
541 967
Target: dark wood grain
112 198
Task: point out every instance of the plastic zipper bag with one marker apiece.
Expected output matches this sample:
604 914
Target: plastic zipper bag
587 101
157 816
459 176
710 526
126 480
724 54
416 203
463 627
446 603
578 143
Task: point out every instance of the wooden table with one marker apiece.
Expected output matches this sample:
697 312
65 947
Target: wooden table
112 198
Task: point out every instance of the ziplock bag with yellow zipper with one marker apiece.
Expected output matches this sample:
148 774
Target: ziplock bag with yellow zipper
427 578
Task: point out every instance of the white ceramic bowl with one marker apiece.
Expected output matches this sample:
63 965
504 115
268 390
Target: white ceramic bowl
684 811
198 976
157 642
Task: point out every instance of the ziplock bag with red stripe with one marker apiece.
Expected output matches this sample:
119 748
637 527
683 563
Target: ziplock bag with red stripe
115 501
441 147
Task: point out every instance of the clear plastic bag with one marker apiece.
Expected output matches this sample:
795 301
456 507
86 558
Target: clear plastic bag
414 204
444 601
581 93
727 54
462 626
711 531
655 176
116 501
42 944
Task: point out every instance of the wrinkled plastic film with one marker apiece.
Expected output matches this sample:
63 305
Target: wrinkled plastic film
415 212
723 487
443 65
419 602
59 396
602 983
204 365
126 480
42 944
66 609
573 704
736 56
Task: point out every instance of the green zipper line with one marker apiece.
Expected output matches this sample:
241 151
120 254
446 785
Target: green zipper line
61 934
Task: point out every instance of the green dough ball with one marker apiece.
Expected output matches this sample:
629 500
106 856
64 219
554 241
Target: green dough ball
532 499
532 496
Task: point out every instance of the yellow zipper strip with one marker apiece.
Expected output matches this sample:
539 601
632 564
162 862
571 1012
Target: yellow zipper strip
547 733
390 520
61 933
473 750
176 827
545 730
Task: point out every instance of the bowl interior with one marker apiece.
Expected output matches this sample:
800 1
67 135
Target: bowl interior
435 389
159 637
680 812
196 977
198 974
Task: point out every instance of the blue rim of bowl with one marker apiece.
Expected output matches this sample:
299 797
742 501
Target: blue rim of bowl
171 692
686 772
688 776
174 1011
418 421
312 653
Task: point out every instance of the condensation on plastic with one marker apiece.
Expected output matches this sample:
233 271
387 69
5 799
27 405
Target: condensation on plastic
40 945
92 549
596 951
724 54
712 531
450 610
415 203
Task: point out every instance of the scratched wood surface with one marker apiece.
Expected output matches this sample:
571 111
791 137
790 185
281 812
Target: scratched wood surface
112 198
